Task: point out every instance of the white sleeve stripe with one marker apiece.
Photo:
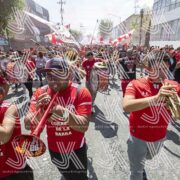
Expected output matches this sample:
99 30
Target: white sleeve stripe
82 142
85 103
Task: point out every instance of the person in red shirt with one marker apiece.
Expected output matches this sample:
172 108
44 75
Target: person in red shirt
177 68
145 99
31 67
68 119
88 64
12 164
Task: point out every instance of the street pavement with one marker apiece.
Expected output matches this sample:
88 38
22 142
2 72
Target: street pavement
106 139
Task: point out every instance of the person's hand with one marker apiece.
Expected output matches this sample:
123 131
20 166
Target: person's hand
43 101
57 112
167 90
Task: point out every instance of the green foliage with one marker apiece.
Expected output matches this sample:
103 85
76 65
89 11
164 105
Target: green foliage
76 34
6 12
105 28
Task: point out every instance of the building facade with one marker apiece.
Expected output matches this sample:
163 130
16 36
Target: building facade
32 29
133 22
165 28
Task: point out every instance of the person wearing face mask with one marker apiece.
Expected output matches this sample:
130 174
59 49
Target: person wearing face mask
145 99
67 121
12 164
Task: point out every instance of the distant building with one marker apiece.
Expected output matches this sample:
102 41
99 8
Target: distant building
32 29
133 22
166 23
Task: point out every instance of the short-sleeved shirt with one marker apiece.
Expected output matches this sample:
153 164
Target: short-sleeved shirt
10 161
30 66
59 134
88 65
129 68
149 124
40 62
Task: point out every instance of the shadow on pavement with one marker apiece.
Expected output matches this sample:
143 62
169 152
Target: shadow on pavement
107 128
176 125
172 136
114 85
92 175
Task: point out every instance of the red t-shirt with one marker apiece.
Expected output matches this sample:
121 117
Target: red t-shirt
88 65
149 124
10 161
30 66
177 56
61 137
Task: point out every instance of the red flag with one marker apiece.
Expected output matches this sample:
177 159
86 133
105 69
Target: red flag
60 41
54 40
119 39
101 39
110 40
67 26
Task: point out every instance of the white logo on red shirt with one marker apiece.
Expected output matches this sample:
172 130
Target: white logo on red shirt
1 153
145 94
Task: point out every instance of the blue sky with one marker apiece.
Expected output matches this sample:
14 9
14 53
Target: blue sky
86 12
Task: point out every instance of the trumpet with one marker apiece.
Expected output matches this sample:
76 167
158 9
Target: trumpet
31 145
71 54
174 106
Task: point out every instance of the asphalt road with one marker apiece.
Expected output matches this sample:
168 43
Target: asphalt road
106 139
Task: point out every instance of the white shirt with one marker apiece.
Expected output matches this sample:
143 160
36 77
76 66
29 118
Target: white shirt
40 62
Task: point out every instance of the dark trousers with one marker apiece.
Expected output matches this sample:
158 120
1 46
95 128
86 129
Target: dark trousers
24 174
71 172
29 86
40 75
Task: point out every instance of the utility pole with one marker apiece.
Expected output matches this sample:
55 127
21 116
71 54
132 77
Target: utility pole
141 22
136 6
94 31
61 3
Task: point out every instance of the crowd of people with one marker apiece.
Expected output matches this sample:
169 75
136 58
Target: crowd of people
64 69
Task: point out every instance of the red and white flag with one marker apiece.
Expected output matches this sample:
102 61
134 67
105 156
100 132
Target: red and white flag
123 39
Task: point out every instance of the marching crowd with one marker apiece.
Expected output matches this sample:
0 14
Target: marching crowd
68 119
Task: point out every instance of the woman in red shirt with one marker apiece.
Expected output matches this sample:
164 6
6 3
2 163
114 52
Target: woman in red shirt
12 165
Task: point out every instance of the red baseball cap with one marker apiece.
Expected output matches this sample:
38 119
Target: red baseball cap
2 80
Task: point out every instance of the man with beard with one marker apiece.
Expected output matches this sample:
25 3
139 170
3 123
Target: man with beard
68 119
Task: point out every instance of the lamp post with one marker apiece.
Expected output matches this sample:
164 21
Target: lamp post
94 31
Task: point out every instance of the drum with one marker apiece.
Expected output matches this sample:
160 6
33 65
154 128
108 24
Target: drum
16 72
99 77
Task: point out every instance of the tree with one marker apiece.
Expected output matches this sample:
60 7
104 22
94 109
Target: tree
6 12
76 34
105 28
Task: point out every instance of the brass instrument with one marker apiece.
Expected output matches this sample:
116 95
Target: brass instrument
31 145
71 54
174 106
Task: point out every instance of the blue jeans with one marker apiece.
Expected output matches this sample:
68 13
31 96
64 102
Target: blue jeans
138 151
